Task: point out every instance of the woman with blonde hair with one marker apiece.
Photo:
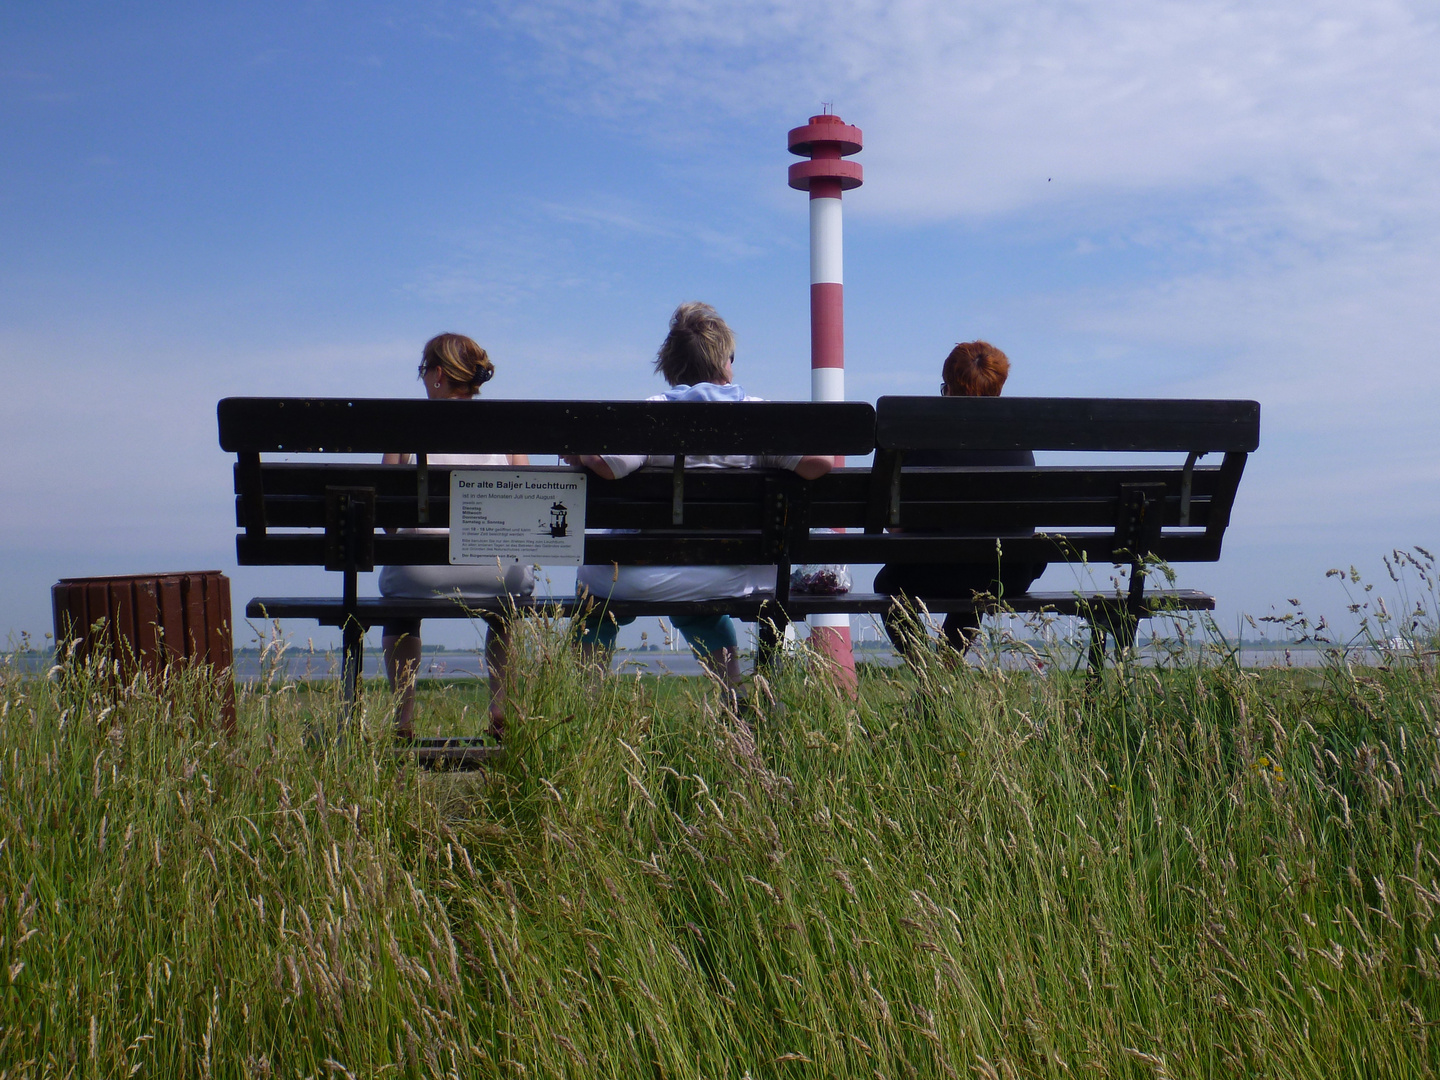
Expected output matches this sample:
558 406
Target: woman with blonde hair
697 359
452 368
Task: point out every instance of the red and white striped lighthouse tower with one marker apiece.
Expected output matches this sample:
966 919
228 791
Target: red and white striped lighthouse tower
827 140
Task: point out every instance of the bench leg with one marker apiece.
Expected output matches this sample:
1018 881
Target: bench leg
1125 633
1095 665
772 624
352 660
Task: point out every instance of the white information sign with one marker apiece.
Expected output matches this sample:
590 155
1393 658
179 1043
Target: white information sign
520 515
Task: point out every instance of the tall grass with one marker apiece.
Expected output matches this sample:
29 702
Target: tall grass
1190 870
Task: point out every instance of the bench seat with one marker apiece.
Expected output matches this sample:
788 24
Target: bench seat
374 611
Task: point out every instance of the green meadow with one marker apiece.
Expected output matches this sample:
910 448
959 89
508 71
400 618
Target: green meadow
1187 869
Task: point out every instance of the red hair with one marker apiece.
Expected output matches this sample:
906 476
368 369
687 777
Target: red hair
975 369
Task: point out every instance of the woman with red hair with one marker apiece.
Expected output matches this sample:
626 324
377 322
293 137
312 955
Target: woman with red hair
973 369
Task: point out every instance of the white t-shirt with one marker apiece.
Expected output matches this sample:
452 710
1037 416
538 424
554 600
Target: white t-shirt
685 582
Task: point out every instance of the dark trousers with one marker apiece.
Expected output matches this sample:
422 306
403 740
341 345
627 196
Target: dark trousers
912 583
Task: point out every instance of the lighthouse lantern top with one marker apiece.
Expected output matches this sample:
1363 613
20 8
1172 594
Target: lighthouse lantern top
826 140
826 136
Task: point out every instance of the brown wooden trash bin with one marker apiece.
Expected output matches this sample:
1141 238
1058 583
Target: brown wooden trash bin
152 620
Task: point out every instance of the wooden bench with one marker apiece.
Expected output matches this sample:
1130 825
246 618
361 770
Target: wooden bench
333 513
1103 514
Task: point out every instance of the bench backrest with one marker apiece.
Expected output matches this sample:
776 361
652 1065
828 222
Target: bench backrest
706 516
379 425
1106 424
1103 513
1110 513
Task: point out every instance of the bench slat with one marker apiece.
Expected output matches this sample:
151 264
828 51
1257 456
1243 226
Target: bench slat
308 512
1056 514
302 512
1052 547
1016 423
848 484
383 425
330 611
677 549
292 549
1058 496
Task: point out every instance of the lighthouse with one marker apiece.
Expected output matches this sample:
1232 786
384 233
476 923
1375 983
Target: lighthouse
827 141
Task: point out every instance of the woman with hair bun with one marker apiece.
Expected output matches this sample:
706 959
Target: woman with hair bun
452 368
973 369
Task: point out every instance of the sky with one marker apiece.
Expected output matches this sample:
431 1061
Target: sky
1199 199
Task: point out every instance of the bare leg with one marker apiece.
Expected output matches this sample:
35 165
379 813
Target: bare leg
731 660
497 659
597 643
402 664
724 663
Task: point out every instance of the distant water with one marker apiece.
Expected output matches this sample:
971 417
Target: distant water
299 665
447 665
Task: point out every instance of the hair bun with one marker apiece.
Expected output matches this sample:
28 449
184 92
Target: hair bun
462 360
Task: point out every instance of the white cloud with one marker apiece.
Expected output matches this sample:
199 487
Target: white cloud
1286 153
1280 158
986 107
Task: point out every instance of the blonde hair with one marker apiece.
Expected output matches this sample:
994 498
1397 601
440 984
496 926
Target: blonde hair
697 348
461 359
975 369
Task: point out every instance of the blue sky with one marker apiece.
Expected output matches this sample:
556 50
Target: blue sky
1183 199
